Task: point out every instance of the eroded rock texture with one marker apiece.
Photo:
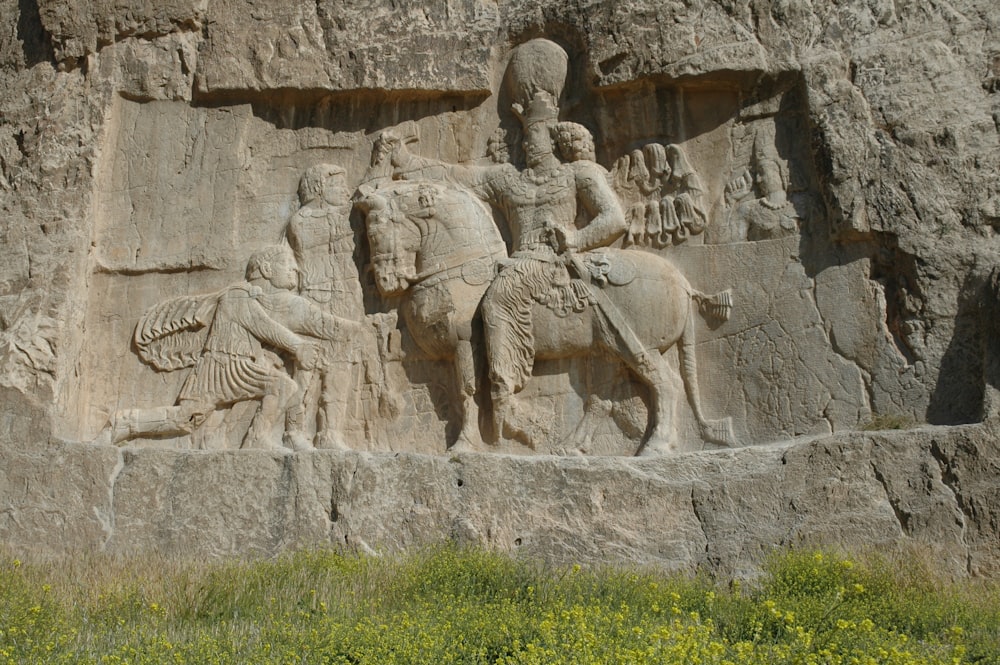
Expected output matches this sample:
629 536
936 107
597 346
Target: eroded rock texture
706 228
932 489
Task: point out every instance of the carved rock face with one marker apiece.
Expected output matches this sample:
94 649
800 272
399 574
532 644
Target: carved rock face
823 192
711 175
748 169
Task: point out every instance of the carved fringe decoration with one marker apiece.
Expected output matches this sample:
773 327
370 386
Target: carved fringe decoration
717 306
565 298
168 338
223 379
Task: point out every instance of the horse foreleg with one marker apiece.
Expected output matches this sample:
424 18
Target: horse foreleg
465 379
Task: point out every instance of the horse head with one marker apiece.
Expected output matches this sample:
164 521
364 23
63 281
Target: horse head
419 229
393 242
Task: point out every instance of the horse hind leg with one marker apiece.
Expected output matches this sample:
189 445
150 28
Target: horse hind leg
714 431
652 369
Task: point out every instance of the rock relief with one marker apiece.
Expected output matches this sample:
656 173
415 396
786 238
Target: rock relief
512 296
556 295
230 340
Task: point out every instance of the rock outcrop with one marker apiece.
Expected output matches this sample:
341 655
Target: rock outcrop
821 181
931 489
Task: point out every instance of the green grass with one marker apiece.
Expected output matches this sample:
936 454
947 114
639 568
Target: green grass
887 421
451 605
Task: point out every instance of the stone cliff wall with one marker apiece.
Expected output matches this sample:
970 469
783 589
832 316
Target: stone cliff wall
847 161
932 490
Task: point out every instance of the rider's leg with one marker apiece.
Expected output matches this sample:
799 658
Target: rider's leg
510 350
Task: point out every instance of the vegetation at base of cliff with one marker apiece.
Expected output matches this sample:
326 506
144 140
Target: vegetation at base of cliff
888 421
453 605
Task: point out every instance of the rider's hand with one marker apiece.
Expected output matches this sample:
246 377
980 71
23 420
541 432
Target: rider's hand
564 240
387 145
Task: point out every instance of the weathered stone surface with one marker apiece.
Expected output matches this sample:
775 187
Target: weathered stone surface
57 498
932 489
78 29
825 176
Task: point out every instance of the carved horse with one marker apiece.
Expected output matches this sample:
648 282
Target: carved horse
438 247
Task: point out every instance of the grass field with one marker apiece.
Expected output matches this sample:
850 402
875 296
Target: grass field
451 605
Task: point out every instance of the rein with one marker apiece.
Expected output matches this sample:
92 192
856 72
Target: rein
441 272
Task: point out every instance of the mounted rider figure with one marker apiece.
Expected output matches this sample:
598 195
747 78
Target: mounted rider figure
554 209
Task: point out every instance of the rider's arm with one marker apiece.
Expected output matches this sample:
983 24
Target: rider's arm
607 221
482 180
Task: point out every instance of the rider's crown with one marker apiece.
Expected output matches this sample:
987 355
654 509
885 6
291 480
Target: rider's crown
543 107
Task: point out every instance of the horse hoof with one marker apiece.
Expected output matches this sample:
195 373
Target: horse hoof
106 436
720 432
297 441
463 445
262 443
657 447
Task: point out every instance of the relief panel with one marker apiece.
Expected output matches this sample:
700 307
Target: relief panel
610 271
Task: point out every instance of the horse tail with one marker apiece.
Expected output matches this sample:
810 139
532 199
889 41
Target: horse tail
717 306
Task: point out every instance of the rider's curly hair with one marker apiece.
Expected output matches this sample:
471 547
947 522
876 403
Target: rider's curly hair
573 141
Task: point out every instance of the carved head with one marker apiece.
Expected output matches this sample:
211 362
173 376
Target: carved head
497 147
276 264
657 163
573 142
538 120
772 176
326 181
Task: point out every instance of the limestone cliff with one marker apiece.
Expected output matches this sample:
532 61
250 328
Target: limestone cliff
841 185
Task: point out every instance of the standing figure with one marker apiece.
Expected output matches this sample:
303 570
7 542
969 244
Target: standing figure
757 198
320 234
231 339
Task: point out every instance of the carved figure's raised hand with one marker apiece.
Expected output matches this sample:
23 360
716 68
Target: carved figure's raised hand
387 146
391 144
739 186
